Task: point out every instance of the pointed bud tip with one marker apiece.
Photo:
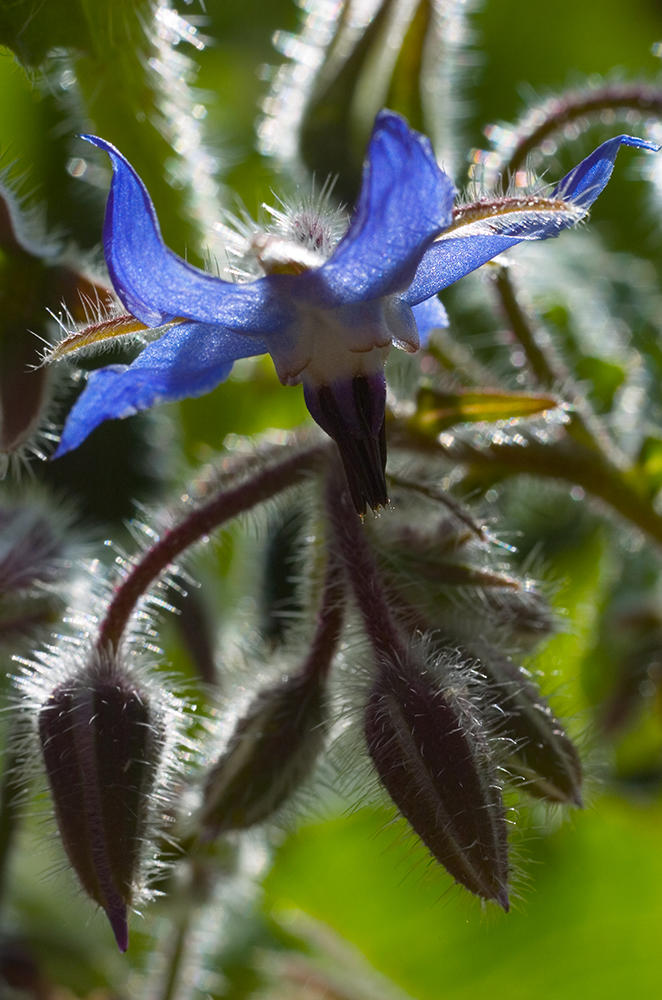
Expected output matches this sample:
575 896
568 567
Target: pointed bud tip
502 899
118 921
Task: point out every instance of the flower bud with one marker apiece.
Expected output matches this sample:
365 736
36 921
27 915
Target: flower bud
281 601
543 755
34 562
272 750
350 60
433 758
35 272
101 739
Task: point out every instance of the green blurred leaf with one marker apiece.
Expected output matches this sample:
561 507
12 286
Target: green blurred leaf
589 911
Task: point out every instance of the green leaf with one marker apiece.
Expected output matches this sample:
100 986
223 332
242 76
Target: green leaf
587 907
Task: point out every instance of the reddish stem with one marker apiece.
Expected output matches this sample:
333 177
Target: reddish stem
200 522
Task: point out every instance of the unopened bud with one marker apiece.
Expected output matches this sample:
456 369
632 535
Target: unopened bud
34 562
272 750
433 758
544 755
281 602
101 740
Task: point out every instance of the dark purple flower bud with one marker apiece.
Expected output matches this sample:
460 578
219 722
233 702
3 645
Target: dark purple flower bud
433 758
351 411
101 740
271 752
544 755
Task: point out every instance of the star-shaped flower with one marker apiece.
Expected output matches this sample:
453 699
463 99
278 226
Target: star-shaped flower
327 314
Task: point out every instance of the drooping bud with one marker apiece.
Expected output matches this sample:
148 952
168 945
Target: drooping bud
101 738
271 752
348 61
433 758
351 411
281 602
34 562
543 754
275 744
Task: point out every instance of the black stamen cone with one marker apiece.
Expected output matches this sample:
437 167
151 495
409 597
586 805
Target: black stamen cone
352 413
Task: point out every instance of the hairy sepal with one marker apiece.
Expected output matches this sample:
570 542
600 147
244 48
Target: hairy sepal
434 760
101 739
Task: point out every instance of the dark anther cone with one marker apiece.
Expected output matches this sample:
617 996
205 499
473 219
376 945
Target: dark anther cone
351 411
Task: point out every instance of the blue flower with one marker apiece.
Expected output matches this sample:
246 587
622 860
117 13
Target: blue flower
327 316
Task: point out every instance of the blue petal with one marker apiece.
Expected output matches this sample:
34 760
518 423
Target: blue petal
429 315
155 284
448 260
188 360
589 179
405 201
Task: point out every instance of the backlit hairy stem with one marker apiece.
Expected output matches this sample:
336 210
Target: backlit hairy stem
565 460
362 572
554 114
209 516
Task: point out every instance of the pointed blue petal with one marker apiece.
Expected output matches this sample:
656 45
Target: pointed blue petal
449 259
405 201
429 315
188 360
590 177
155 284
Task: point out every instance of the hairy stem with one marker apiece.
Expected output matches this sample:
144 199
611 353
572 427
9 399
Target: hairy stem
544 121
361 570
566 460
265 484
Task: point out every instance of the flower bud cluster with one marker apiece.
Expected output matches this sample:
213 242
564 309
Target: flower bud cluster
448 717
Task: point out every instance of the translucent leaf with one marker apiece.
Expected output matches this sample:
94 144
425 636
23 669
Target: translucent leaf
436 411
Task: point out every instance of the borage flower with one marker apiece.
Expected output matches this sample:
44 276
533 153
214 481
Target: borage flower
327 311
